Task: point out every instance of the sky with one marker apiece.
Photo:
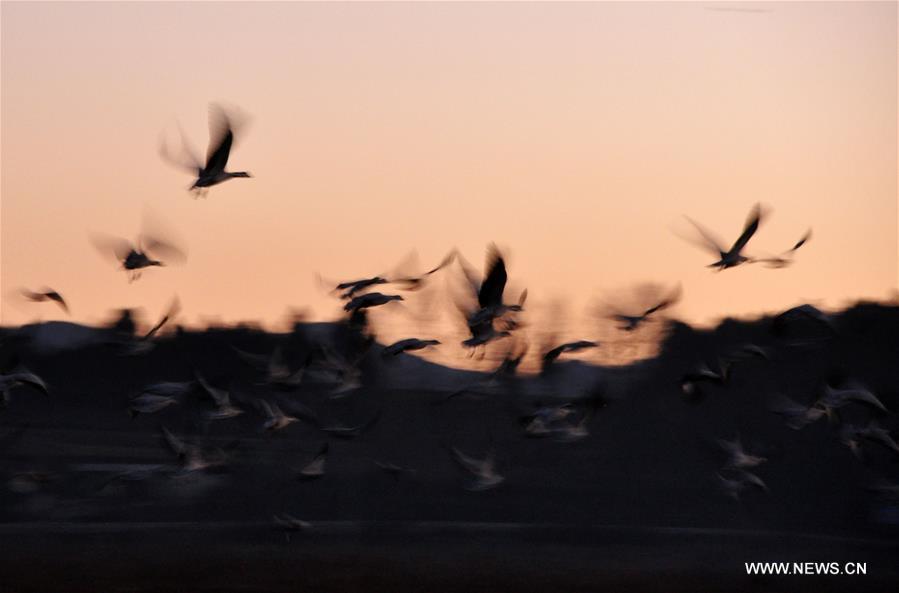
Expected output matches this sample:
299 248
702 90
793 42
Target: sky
576 136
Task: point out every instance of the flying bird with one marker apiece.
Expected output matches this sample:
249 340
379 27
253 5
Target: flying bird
290 524
632 322
703 373
46 294
741 481
149 403
738 458
796 415
483 471
275 419
371 299
551 355
136 257
729 258
316 467
408 345
483 302
17 378
353 286
221 139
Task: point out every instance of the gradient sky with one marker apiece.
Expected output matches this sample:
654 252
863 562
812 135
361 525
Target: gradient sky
577 136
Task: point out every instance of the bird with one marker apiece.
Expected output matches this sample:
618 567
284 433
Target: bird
353 286
482 334
143 344
546 420
632 322
138 256
796 415
46 294
191 456
550 356
290 524
149 403
786 258
876 433
483 471
223 407
275 419
335 368
732 257
350 432
370 299
738 458
488 295
689 381
414 281
275 370
316 467
833 398
740 481
17 378
221 139
408 345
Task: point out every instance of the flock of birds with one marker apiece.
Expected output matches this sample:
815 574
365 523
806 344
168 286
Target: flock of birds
488 316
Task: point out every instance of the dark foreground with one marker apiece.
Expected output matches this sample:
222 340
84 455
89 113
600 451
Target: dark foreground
92 500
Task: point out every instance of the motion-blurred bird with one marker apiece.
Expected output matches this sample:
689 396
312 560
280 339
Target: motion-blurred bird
221 139
796 415
275 419
741 480
408 345
135 257
729 258
316 467
20 377
46 294
354 286
149 403
632 322
371 299
483 471
551 355
738 458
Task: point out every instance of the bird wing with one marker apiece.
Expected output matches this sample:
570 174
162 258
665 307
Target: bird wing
491 292
802 241
108 245
186 158
752 225
469 464
671 300
166 249
220 139
29 378
174 308
176 445
709 242
447 260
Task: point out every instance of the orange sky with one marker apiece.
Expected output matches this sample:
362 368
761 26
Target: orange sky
575 135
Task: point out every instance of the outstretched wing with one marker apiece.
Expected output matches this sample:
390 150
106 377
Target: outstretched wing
752 225
221 137
110 246
491 292
709 242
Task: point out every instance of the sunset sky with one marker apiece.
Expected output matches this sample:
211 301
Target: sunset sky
576 136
